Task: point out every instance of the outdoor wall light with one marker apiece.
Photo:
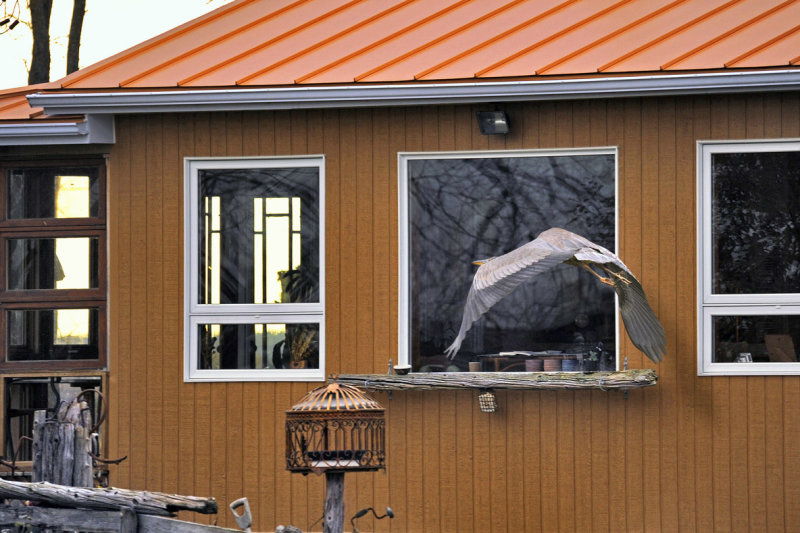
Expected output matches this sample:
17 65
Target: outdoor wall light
493 122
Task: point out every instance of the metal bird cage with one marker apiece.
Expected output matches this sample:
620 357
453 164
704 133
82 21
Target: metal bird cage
335 428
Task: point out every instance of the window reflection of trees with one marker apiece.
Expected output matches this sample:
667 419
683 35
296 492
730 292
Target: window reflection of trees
756 221
474 208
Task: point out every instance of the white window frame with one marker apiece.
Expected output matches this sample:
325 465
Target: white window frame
196 313
404 294
711 305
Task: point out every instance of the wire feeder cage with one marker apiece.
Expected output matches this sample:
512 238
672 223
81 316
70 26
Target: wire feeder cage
487 401
335 427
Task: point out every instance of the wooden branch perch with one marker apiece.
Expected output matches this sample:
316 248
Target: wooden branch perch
143 502
626 379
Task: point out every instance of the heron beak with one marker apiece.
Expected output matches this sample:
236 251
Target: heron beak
481 261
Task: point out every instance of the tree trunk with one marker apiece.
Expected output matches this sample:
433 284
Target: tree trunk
75 28
40 55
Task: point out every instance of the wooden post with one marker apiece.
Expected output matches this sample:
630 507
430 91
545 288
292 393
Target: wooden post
61 448
334 502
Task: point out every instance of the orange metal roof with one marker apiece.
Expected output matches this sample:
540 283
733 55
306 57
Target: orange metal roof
285 42
260 43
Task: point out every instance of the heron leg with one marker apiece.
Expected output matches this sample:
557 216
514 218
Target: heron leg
607 281
617 275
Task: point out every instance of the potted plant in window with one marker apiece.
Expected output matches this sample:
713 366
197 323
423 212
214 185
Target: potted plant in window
592 362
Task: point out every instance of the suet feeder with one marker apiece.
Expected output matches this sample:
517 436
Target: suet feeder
487 401
335 427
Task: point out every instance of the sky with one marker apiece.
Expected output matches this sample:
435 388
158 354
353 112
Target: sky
109 26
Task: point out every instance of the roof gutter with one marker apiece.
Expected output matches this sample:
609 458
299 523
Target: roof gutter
95 129
362 95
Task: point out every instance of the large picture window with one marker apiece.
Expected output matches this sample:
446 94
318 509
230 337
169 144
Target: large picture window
459 207
749 257
254 267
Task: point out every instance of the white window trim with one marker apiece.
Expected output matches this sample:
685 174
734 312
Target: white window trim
710 305
196 313
404 295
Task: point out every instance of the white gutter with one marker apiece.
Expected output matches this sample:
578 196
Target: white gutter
363 95
96 129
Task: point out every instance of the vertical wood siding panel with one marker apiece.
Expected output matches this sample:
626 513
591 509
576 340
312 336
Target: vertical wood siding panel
219 391
397 410
741 511
236 404
203 420
333 241
171 300
773 386
598 401
565 426
271 442
187 414
297 144
251 405
565 400
699 116
656 152
549 440
138 346
636 180
363 331
316 487
416 401
722 386
119 323
446 141
672 292
431 422
285 395
756 451
152 310
790 127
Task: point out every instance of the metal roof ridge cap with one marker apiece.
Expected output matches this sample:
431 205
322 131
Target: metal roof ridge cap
409 93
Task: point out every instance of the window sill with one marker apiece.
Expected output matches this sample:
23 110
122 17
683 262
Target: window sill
623 380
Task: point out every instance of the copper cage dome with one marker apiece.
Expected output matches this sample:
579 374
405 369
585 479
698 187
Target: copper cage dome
335 427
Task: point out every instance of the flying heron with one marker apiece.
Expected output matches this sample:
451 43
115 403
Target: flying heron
497 277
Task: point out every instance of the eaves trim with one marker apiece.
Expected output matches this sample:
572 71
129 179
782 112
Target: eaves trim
96 129
360 95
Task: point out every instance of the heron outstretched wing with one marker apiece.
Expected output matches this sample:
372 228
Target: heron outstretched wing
498 278
644 329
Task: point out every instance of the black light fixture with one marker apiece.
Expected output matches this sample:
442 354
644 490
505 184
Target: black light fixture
493 122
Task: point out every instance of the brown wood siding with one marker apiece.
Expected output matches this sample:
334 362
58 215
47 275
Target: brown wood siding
691 453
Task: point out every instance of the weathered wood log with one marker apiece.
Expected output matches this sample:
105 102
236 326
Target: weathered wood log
62 447
333 517
83 520
626 379
143 502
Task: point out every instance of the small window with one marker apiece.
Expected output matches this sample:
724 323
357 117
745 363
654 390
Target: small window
254 267
749 258
460 207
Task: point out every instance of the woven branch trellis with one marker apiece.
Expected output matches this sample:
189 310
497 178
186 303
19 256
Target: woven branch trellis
622 380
